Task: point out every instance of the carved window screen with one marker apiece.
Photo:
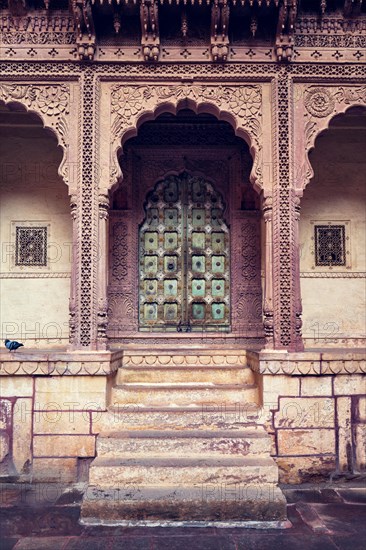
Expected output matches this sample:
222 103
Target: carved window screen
31 246
330 245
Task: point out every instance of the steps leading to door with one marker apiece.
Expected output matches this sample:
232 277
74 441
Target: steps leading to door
183 440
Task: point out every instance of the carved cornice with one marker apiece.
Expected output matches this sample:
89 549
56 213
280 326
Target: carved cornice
281 30
52 103
242 103
228 72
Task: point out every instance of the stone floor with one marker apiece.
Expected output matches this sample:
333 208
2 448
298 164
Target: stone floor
42 517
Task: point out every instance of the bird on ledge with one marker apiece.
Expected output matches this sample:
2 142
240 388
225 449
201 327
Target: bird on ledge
12 345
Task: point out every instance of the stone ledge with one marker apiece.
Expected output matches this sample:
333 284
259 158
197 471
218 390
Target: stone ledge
312 362
59 363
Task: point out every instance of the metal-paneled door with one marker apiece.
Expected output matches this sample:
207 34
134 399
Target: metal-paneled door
184 258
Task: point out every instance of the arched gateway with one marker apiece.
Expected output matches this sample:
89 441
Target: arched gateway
185 235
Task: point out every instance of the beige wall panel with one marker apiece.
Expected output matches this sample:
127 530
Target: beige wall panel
334 306
40 311
32 191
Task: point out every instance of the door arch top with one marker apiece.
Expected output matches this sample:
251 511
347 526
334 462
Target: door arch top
240 106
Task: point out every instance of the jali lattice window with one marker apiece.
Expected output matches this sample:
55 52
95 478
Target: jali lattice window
31 246
330 245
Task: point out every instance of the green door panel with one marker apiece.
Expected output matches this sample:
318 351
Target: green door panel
184 258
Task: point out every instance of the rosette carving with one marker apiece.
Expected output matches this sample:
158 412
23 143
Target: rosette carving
319 102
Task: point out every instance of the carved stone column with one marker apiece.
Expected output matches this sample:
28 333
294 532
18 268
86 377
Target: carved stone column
286 276
102 273
89 212
299 346
268 274
73 301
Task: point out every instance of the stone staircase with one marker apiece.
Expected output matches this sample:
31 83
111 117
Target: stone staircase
182 442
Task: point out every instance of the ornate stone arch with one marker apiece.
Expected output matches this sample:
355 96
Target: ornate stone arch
51 103
317 106
240 105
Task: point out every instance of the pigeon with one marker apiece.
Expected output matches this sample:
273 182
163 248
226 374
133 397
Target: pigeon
12 345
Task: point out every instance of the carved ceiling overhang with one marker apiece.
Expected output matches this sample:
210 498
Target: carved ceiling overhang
181 30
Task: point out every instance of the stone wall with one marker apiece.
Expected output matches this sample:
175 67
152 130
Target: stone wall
46 415
34 299
314 406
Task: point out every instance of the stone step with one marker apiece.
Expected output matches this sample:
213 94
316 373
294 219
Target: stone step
173 395
176 374
202 503
109 472
183 443
216 416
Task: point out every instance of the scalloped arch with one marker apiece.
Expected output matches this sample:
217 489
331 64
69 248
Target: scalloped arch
62 168
251 135
321 128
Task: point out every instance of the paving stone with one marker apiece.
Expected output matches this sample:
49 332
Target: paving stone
38 543
350 543
194 543
341 519
355 494
7 544
89 543
312 495
297 495
290 542
46 522
132 543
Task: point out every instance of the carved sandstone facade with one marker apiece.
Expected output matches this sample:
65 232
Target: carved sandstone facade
271 116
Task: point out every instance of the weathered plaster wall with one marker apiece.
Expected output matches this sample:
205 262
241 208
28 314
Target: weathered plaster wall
334 299
34 305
